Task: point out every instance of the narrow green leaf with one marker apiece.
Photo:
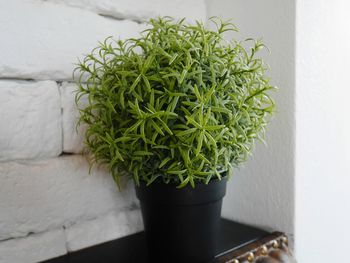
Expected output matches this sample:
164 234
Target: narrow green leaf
156 127
173 58
182 76
143 153
148 85
199 143
176 172
186 132
164 162
184 183
136 82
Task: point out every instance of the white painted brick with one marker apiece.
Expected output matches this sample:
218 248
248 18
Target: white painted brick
141 10
103 229
33 248
73 137
30 120
41 40
40 195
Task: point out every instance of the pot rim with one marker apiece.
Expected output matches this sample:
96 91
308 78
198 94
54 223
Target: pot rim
168 194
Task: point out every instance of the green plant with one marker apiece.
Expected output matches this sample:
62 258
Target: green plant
178 103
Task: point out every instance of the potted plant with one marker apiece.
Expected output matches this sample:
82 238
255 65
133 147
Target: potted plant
175 110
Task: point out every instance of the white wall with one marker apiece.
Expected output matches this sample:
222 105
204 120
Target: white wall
49 204
307 195
261 192
322 231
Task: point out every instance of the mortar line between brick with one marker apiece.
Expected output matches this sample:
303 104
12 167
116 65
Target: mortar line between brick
59 85
121 18
63 226
31 234
34 79
108 16
18 78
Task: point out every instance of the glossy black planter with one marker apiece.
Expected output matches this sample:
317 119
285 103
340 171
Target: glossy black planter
182 225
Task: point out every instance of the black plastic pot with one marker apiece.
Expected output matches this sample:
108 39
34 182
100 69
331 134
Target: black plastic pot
182 225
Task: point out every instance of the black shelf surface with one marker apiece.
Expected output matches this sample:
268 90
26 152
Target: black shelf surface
132 248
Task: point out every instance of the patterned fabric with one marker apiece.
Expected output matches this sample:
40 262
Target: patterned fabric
282 255
272 248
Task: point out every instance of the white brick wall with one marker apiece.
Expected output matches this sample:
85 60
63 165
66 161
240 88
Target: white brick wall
34 248
73 136
49 204
108 227
42 40
30 123
51 193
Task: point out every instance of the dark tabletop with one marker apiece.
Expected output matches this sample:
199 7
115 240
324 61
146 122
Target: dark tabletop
132 249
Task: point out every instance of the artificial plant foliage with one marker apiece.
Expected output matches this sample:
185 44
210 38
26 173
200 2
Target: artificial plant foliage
178 104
